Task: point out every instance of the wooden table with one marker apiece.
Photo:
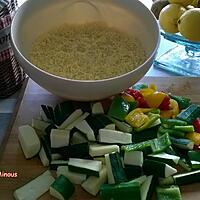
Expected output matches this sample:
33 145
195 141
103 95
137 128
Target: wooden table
12 158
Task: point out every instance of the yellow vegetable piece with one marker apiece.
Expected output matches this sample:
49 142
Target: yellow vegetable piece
195 137
147 91
136 119
128 97
173 112
153 86
155 99
142 110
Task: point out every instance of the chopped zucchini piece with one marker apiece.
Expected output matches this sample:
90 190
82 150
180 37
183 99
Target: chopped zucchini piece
77 121
39 125
112 136
168 193
133 158
115 170
166 158
59 138
101 150
35 188
190 113
97 108
43 157
75 115
29 141
62 188
85 128
74 177
125 191
85 166
92 184
157 168
145 187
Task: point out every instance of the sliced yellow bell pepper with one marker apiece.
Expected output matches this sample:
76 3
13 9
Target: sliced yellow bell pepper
136 119
153 86
155 99
195 137
146 92
143 110
173 112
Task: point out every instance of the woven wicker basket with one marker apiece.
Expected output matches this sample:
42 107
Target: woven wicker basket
11 74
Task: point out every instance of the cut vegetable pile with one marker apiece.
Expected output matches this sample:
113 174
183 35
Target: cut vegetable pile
143 141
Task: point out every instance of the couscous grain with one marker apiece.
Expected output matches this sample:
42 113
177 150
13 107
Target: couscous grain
91 51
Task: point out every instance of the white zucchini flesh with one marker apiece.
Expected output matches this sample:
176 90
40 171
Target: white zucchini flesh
145 187
112 136
169 170
35 188
93 165
56 194
59 138
75 178
43 116
78 120
39 124
60 162
110 127
56 156
133 158
167 156
75 115
102 159
92 184
43 157
109 170
29 141
195 164
85 128
100 150
78 138
140 179
97 108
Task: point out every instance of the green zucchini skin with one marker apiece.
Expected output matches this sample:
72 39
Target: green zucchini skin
194 155
187 178
151 167
133 172
125 191
182 143
63 186
117 168
73 151
168 193
158 169
190 113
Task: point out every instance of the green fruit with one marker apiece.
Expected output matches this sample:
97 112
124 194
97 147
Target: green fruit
169 16
157 6
181 2
189 24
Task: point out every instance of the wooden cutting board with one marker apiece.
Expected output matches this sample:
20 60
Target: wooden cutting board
12 158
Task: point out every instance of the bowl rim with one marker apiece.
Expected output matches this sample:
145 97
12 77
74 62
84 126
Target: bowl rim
153 53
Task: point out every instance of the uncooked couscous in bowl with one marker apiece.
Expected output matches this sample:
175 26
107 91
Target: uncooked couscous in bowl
85 50
91 51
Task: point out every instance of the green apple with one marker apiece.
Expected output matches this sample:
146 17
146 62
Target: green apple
189 24
181 2
169 16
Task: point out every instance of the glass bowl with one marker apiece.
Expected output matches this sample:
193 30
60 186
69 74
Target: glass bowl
183 59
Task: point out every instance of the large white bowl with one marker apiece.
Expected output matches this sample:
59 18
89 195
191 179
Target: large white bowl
37 16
